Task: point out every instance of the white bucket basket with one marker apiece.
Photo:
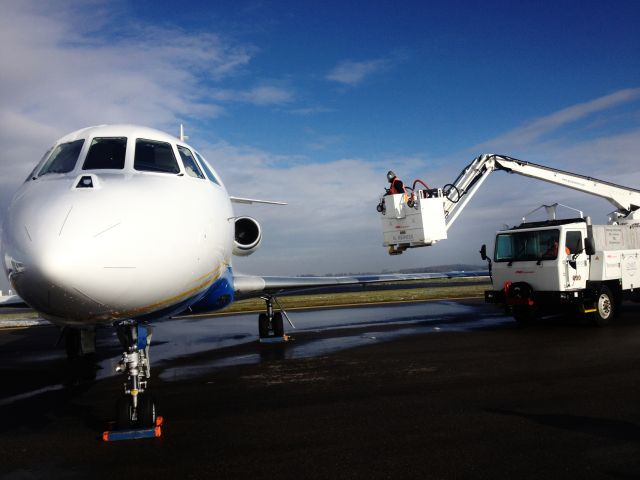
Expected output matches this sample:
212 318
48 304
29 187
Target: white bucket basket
418 226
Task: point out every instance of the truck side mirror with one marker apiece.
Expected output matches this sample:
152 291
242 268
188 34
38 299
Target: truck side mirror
589 247
483 252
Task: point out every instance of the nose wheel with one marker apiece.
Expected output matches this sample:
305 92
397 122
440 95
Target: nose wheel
271 324
136 408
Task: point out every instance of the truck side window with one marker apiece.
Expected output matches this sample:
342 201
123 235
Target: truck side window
573 242
548 241
504 248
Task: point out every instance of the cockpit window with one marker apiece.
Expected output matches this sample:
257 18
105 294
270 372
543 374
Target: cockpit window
34 172
153 156
190 165
63 158
106 153
206 168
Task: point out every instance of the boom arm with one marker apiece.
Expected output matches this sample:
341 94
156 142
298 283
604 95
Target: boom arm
626 200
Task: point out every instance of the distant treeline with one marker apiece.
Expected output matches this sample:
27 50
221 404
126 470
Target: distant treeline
457 267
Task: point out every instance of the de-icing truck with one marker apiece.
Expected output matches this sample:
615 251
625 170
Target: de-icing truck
538 268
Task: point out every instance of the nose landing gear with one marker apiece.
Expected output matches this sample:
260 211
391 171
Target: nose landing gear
136 407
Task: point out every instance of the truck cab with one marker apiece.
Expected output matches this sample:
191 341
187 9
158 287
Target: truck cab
549 256
540 266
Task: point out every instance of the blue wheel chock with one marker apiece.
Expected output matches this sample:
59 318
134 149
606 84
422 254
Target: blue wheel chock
134 434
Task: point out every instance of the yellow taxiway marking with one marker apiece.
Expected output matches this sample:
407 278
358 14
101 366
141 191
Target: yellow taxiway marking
319 307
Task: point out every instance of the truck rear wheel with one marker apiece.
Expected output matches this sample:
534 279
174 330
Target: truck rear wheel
605 307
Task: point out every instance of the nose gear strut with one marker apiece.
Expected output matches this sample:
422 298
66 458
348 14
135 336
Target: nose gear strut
136 407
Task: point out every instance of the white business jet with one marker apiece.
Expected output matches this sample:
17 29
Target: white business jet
122 225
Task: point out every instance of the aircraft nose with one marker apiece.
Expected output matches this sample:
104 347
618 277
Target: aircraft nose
104 253
50 252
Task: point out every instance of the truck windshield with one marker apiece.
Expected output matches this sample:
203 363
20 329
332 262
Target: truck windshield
533 245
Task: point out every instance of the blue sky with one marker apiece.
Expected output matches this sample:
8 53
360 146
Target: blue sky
312 102
424 75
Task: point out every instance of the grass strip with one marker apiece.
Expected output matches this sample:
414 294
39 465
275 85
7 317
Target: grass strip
364 297
474 289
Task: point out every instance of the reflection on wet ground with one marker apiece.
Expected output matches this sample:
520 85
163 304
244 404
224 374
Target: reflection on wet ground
191 346
317 333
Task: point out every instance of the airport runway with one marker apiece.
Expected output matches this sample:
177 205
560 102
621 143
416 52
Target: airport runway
429 390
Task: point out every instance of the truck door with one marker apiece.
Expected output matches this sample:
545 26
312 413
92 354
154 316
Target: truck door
577 267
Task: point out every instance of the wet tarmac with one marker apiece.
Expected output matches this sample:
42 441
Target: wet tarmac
426 390
317 332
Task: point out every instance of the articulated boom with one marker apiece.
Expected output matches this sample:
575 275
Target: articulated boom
424 217
625 199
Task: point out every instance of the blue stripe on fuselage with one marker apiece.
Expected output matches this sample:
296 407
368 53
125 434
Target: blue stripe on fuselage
219 295
216 297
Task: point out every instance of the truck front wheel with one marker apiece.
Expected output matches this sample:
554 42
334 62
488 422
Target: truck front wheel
604 308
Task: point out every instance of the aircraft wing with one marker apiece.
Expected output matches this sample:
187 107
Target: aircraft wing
254 200
247 286
12 301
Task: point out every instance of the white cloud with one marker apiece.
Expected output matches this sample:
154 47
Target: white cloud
262 95
67 66
308 111
351 73
533 131
558 140
57 77
331 224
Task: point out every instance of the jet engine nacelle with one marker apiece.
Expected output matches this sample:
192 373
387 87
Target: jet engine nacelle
248 236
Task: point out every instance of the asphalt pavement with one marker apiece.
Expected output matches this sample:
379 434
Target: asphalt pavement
473 396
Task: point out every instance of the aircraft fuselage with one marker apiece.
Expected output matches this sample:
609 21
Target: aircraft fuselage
96 244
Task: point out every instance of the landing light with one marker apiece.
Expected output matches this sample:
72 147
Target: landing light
85 182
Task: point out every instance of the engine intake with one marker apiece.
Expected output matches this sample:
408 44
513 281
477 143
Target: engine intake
248 236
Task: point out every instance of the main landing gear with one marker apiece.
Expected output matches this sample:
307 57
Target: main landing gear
78 342
136 408
270 324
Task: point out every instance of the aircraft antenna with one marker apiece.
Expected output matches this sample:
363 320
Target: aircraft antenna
183 137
